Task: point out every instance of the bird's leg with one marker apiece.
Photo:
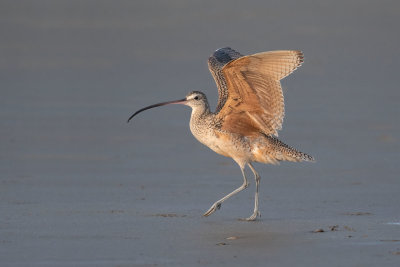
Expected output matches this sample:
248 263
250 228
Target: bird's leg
217 204
256 212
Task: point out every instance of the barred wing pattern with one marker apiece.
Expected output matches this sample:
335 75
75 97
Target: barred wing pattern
254 99
216 62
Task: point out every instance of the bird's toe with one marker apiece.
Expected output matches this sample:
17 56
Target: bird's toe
213 208
253 217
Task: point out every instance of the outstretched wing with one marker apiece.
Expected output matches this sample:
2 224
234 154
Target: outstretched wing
254 95
216 62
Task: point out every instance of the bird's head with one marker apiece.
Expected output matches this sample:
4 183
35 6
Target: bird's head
196 100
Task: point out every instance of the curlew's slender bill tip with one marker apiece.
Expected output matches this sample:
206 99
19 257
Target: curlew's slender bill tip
180 101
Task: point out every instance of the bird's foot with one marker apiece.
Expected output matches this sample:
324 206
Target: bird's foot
214 207
253 217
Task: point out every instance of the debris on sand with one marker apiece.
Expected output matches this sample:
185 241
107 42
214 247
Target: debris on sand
396 252
358 213
334 227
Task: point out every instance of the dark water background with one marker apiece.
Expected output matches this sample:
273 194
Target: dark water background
80 187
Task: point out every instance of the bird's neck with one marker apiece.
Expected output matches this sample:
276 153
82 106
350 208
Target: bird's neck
200 122
200 112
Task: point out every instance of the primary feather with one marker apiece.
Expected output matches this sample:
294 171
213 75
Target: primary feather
249 88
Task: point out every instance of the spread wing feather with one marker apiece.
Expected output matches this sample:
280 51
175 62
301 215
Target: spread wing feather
216 62
253 98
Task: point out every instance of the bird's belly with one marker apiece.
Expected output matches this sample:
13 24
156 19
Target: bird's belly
225 144
217 148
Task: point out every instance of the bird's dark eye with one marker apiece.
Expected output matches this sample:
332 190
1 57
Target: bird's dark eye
196 98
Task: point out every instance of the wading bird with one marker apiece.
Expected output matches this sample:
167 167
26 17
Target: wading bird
249 112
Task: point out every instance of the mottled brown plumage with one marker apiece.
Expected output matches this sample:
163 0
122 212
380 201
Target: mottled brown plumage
249 113
253 87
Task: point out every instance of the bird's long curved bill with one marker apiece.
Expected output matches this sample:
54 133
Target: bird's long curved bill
181 101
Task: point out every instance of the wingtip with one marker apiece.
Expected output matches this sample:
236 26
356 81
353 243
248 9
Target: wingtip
300 55
224 47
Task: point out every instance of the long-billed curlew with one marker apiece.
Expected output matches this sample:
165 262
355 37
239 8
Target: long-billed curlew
249 112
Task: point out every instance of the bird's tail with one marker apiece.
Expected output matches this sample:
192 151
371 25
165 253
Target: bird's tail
272 150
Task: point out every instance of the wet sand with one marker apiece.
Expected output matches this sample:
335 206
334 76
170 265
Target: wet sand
81 187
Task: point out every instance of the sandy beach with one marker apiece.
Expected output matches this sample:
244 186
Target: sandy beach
81 187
